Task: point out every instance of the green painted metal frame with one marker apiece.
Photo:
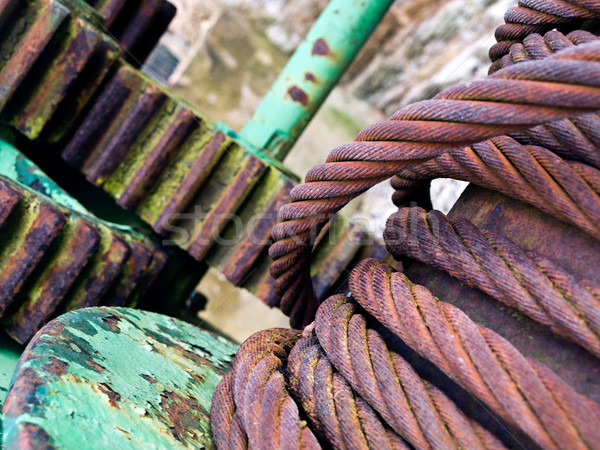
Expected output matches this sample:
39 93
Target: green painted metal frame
311 73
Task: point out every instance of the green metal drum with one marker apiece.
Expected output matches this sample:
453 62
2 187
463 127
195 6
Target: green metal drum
115 377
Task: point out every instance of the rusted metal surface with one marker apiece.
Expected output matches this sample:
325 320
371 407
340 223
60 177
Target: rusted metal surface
522 280
136 26
6 9
519 171
172 168
339 247
132 123
36 101
334 253
326 379
77 243
478 359
190 174
69 111
100 118
525 261
249 241
178 129
109 9
103 270
9 199
417 410
153 155
24 39
154 149
10 352
73 377
77 56
33 234
240 408
125 267
131 274
311 73
157 27
229 201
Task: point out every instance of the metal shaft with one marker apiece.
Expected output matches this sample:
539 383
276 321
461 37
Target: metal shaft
311 73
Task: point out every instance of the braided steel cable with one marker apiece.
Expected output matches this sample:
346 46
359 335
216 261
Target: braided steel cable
522 280
563 189
354 391
478 359
516 98
243 413
576 138
339 416
225 420
536 47
414 408
518 170
251 406
538 16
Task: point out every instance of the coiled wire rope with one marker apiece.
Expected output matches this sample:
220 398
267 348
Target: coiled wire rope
530 131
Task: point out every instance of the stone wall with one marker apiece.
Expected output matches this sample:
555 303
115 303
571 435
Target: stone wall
420 47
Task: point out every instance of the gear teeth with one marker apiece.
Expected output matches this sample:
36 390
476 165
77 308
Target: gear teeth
38 99
9 199
32 228
136 25
53 260
177 125
222 196
68 84
187 174
103 270
76 244
24 39
252 235
55 62
332 256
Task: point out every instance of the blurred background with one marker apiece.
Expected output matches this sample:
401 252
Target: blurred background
221 56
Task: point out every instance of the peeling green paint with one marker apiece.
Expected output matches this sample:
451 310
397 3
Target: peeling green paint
117 377
10 352
311 73
14 165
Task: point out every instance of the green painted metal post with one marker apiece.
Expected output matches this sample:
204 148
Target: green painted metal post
311 73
